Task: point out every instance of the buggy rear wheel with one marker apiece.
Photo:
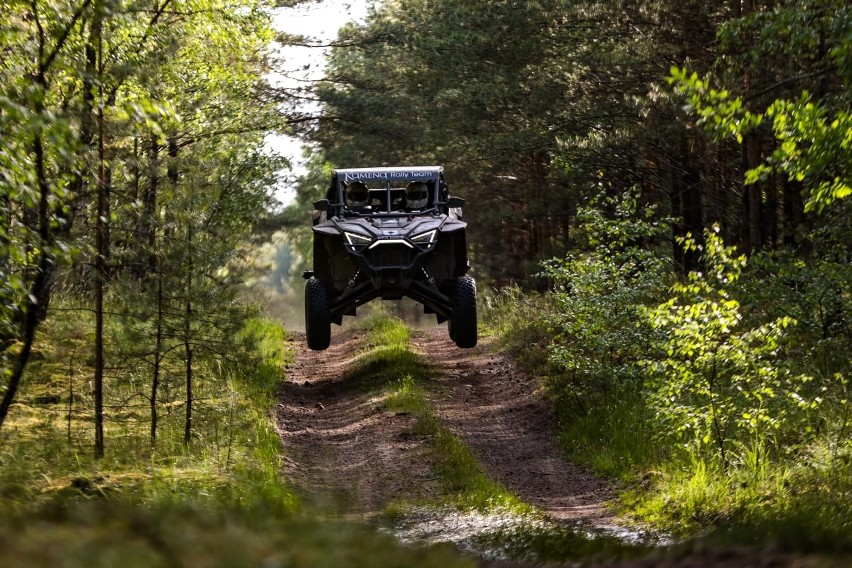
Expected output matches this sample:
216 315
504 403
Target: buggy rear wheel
462 327
317 316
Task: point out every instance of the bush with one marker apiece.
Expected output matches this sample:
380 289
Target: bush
588 333
717 386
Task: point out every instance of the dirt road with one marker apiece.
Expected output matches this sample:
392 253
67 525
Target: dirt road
348 454
341 449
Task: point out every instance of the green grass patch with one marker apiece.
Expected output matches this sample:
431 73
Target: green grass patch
801 506
405 395
406 378
609 434
462 477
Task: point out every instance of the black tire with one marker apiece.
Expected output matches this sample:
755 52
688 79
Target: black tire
463 325
317 316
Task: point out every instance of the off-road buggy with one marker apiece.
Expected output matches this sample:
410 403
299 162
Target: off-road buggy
389 233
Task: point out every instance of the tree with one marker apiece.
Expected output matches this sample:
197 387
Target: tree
37 160
144 123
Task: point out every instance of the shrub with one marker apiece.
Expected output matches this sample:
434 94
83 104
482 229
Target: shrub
717 386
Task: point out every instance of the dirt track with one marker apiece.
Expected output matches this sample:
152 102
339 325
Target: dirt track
342 450
349 455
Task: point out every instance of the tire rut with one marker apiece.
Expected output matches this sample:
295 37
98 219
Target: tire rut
343 451
349 455
501 414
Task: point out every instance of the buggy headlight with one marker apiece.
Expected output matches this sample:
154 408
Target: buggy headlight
355 239
426 238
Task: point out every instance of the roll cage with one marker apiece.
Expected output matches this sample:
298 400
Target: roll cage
386 189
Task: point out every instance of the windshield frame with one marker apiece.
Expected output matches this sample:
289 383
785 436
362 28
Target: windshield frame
391 182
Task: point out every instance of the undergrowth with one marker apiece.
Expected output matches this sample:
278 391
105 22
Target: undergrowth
232 460
799 500
719 412
222 500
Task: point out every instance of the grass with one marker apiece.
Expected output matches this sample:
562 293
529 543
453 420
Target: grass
799 506
46 449
221 501
105 534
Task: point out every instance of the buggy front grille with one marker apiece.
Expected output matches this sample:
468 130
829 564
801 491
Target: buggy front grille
390 256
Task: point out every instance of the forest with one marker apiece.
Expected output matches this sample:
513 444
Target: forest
657 198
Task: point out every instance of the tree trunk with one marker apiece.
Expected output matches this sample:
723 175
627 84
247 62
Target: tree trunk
187 343
158 346
678 231
794 211
771 213
693 214
101 243
753 192
173 176
43 277
146 229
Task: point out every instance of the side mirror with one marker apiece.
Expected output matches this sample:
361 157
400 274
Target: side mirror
322 205
455 202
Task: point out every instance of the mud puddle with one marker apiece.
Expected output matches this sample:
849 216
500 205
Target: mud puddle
510 537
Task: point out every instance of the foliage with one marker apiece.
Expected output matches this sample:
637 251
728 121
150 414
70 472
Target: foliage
594 323
811 290
132 151
718 386
728 414
814 146
720 113
596 329
535 107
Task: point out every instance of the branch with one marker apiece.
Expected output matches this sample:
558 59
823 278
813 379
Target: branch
155 18
44 65
286 40
783 82
248 130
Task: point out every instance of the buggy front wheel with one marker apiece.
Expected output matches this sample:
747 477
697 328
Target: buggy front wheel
462 327
317 316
